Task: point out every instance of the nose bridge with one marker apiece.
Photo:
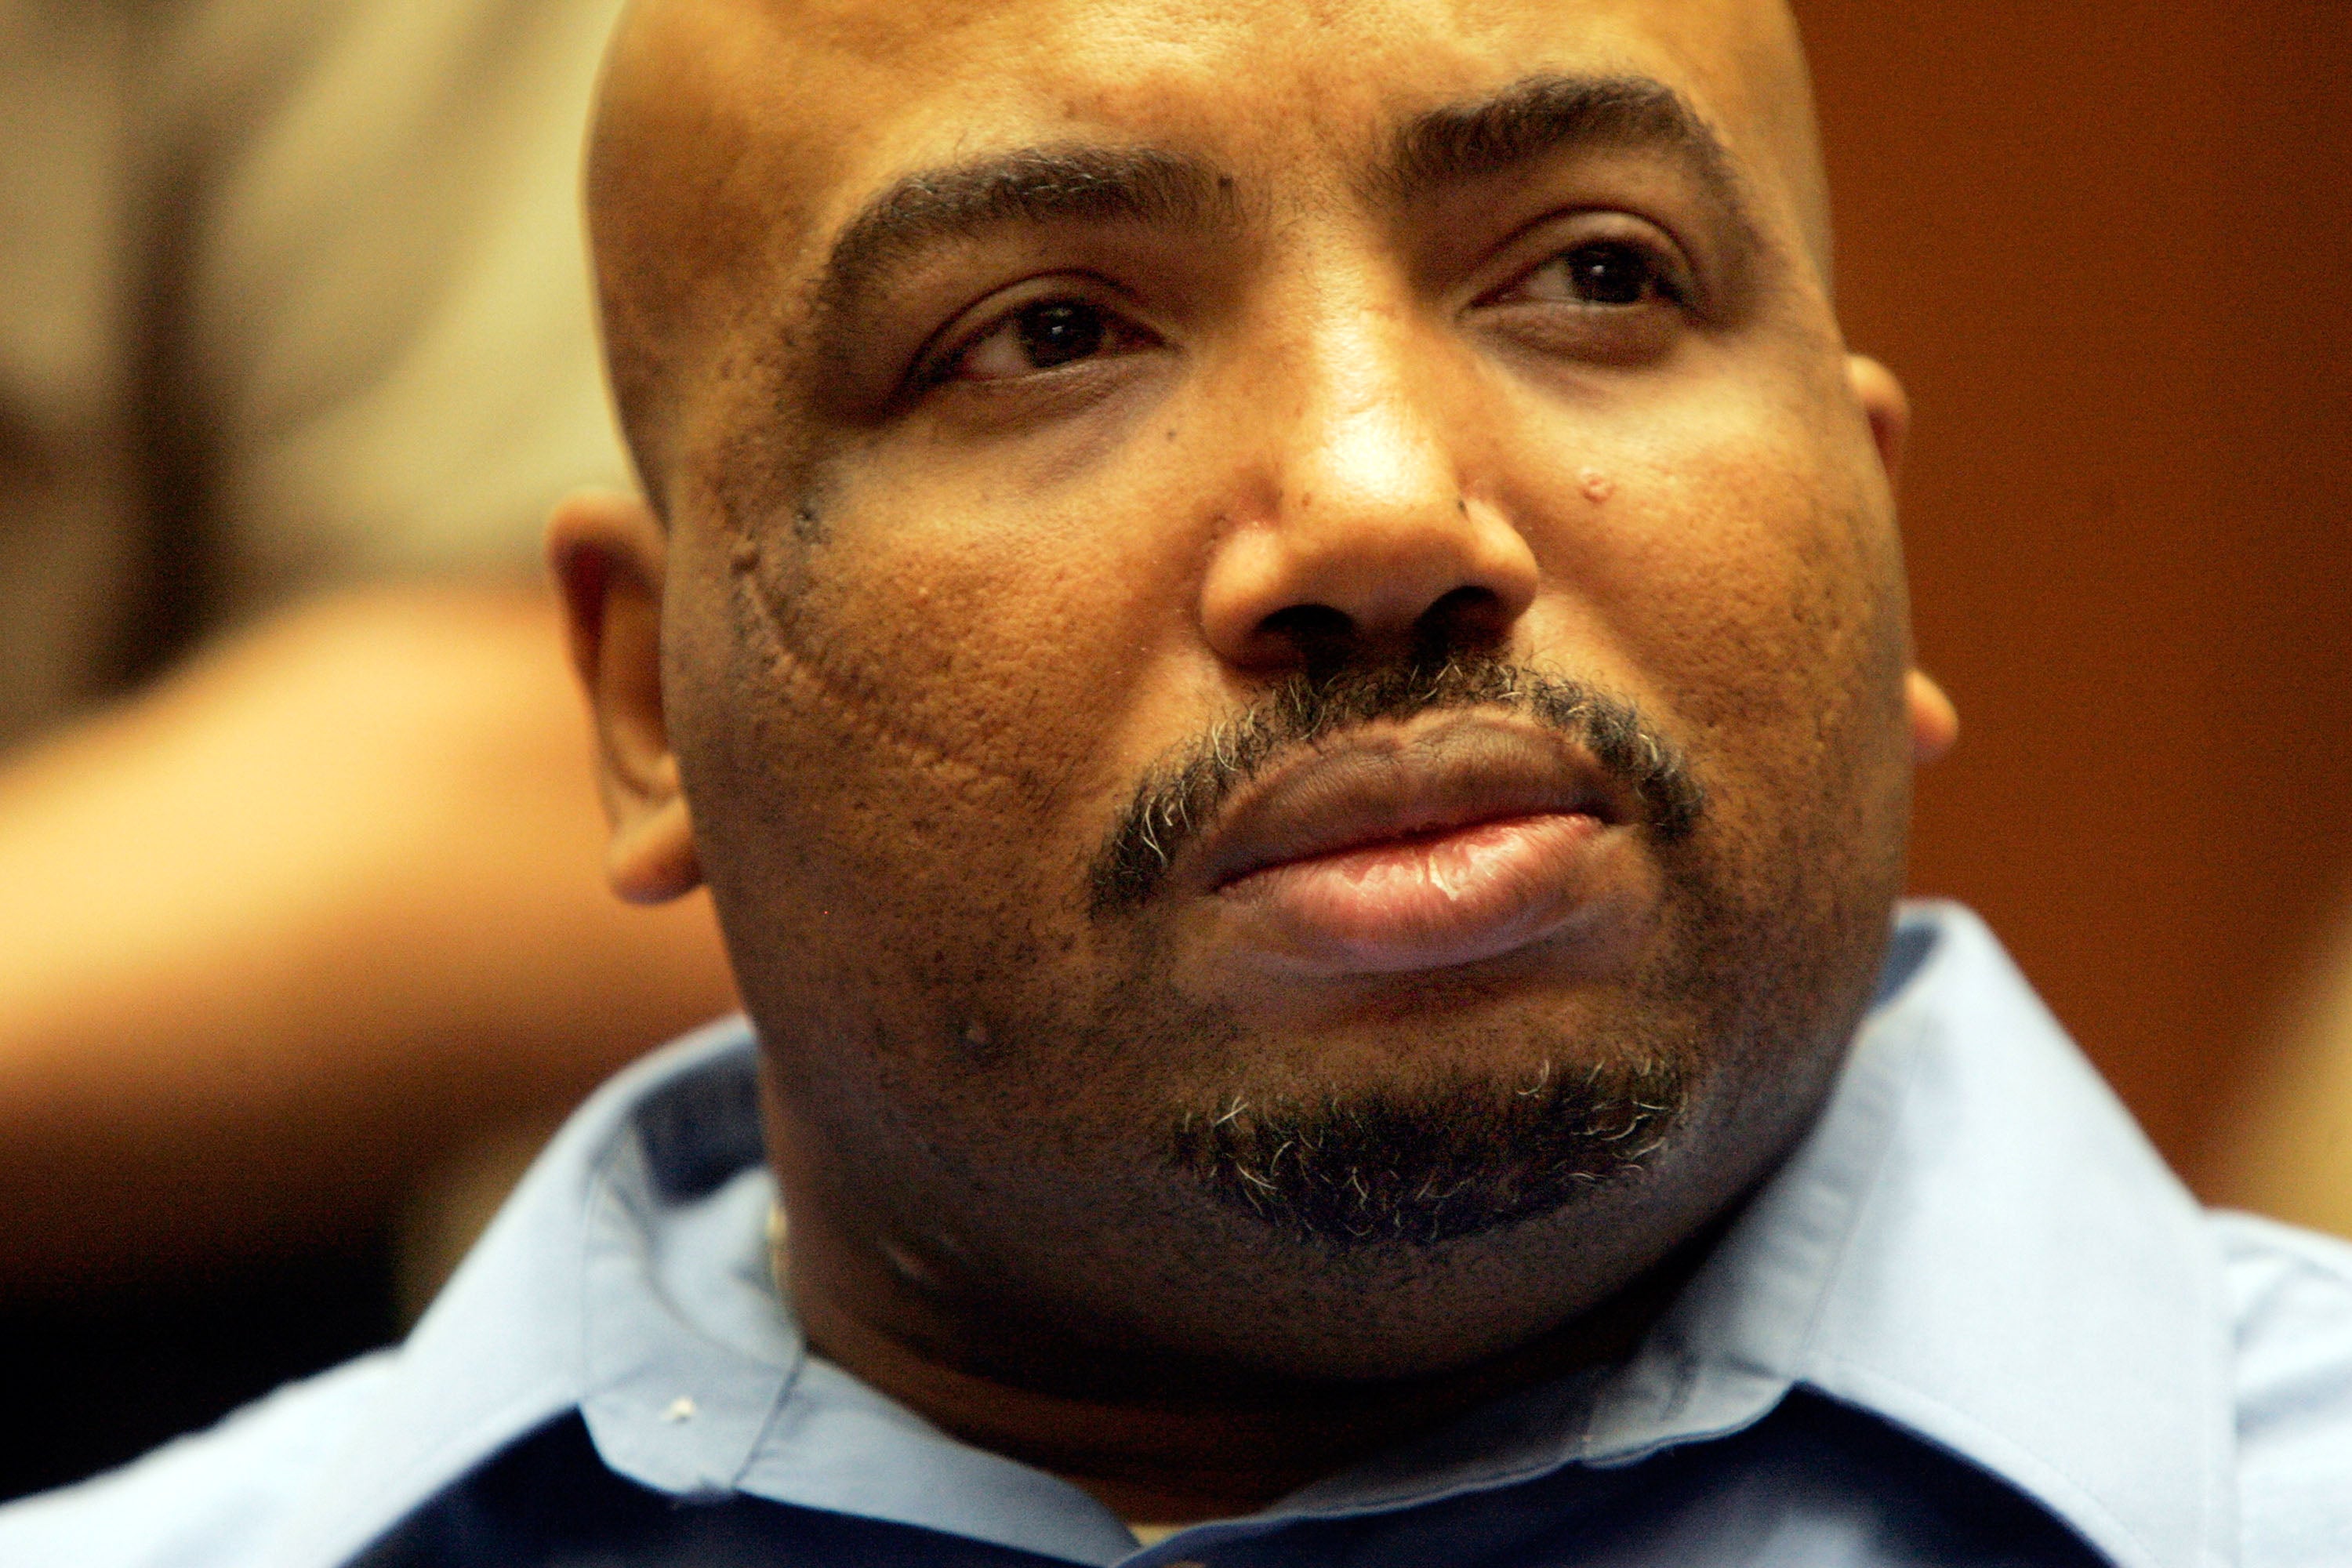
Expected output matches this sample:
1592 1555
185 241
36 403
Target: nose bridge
1369 447
1364 515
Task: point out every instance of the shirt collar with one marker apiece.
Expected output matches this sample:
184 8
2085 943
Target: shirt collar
2023 1280
1974 1242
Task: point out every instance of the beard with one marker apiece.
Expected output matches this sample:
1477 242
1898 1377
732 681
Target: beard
1463 1153
1384 1167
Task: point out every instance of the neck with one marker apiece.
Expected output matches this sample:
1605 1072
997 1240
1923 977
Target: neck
1158 1440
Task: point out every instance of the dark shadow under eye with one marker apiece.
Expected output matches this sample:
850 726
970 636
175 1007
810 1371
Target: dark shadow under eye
1057 332
1605 273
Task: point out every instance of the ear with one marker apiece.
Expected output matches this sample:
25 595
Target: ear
1935 722
1882 398
608 553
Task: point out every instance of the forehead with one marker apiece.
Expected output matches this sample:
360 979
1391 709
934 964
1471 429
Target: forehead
840 97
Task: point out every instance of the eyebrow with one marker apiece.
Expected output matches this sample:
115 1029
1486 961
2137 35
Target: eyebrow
1032 185
1542 116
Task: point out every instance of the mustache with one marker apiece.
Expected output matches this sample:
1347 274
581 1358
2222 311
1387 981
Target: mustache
1180 798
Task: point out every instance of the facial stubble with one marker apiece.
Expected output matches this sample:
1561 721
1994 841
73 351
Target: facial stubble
1418 1162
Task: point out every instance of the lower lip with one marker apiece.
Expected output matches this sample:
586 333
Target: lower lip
1429 902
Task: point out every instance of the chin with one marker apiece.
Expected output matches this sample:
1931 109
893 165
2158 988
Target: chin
1446 1159
1401 1311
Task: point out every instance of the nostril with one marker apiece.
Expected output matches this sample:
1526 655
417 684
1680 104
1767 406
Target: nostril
1467 617
1307 629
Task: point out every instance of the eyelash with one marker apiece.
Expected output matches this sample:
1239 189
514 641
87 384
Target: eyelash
1665 277
1110 324
1656 279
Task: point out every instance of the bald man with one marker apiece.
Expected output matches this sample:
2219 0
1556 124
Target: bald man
1279 633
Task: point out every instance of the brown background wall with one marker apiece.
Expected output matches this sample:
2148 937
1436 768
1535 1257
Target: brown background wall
2109 250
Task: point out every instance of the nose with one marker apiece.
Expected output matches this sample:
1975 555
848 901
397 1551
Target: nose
1357 531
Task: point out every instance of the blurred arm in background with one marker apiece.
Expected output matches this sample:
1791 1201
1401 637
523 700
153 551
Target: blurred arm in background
295 355
293 928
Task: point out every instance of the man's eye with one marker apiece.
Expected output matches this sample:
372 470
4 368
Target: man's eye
1618 292
1603 273
1040 337
1059 332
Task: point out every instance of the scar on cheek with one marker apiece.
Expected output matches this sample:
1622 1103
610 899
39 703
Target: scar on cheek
1597 486
802 668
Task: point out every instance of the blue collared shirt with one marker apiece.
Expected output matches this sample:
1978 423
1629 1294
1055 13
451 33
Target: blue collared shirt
1972 1320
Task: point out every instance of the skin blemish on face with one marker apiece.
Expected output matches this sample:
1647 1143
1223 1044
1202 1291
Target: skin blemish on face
982 1048
908 1267
1597 486
743 556
808 527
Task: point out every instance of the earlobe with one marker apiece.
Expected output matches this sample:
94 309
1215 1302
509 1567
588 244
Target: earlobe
1935 722
1888 407
651 857
608 553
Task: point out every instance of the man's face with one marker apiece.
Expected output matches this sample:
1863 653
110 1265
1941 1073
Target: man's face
1282 627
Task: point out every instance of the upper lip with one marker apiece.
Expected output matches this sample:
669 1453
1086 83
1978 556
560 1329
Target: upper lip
1386 782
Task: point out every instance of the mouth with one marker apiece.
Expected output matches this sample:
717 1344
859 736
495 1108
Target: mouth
1423 846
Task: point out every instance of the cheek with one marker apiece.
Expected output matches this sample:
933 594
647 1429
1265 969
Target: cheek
934 686
1741 570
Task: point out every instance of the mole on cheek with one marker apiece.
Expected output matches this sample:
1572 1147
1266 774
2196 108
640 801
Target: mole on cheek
1597 486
